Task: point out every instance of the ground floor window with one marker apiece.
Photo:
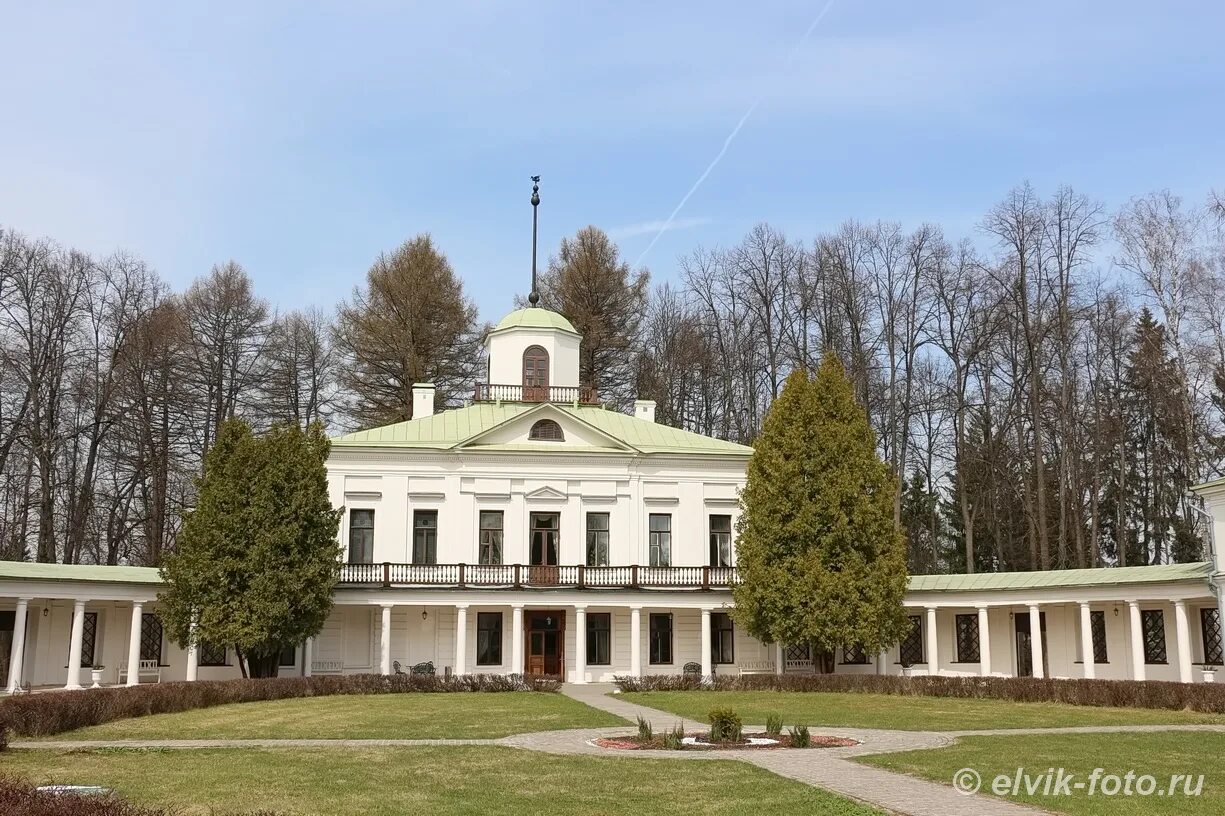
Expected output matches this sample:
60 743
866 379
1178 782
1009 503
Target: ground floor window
289 657
854 655
89 637
1097 628
1152 625
489 639
151 638
967 639
722 638
661 638
599 639
910 650
1210 628
211 654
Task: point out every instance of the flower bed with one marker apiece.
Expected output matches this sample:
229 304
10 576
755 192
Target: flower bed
698 742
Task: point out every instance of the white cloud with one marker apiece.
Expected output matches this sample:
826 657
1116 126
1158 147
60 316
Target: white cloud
650 227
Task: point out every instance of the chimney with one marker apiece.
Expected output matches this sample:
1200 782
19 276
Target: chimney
645 409
423 400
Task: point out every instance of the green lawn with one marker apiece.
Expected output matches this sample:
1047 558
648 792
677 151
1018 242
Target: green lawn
1158 754
374 716
904 713
464 779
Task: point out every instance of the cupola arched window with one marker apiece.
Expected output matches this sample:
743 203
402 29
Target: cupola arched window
546 430
535 368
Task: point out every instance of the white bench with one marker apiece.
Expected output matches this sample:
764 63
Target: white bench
146 668
762 667
327 666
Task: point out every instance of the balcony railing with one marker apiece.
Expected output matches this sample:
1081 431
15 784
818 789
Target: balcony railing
536 393
525 576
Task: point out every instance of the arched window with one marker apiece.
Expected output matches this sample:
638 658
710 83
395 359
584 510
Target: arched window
546 430
535 368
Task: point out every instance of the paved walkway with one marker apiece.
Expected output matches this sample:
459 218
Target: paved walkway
829 768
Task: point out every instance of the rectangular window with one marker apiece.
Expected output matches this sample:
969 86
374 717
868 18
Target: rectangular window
151 638
599 639
660 540
597 539
910 650
661 638
289 656
425 536
1152 625
89 636
722 638
720 541
1097 626
361 536
967 639
211 654
489 638
1210 630
491 537
854 655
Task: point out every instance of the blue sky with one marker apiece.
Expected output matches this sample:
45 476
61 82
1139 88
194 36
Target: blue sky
302 140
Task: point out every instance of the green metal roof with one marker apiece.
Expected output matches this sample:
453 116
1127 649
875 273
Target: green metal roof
1051 579
28 571
535 318
449 429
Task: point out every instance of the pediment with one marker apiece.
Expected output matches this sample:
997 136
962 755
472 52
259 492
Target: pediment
546 493
516 434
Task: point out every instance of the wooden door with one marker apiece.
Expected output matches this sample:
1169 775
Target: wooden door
546 643
545 541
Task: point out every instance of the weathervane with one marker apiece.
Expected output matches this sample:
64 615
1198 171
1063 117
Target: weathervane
534 297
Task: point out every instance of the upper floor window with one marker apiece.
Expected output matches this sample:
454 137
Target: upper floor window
546 430
491 537
720 541
660 540
361 536
425 536
535 367
597 539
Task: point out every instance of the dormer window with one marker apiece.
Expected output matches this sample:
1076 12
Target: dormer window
546 430
535 368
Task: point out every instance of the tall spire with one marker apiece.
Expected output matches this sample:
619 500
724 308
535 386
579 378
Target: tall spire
534 297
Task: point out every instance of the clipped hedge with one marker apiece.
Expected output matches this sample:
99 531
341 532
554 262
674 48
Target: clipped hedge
1205 697
37 715
18 798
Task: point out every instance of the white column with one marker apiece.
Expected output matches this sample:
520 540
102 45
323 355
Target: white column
1182 631
308 656
635 641
133 677
580 644
1137 640
74 646
780 658
193 654
1220 611
882 662
984 642
17 653
461 638
707 668
1086 642
516 639
385 641
932 648
1035 641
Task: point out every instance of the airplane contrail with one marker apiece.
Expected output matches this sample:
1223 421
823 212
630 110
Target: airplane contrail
728 141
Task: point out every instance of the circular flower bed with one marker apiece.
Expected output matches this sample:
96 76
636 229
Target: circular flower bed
700 742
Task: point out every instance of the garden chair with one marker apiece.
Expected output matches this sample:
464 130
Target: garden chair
693 669
395 664
423 668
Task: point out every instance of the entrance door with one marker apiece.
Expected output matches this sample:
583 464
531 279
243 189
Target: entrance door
1025 663
545 543
7 623
546 643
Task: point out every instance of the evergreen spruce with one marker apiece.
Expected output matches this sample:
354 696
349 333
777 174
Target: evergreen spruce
258 556
820 559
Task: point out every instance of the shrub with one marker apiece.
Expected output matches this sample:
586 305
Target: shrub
1204 697
19 798
800 738
644 729
725 725
674 739
35 715
774 724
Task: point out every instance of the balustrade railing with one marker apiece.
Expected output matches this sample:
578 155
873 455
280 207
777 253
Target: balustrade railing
534 576
486 392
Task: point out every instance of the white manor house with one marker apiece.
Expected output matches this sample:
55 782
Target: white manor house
534 531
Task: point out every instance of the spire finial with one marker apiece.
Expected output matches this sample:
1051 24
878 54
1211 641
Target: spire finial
534 297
